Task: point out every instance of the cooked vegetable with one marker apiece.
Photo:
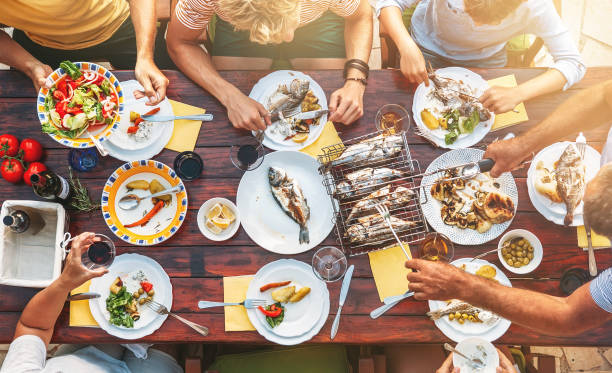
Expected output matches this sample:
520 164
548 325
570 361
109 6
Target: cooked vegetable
273 285
299 295
283 295
155 187
429 119
148 216
133 116
117 304
147 287
116 286
71 69
138 184
275 321
272 312
152 111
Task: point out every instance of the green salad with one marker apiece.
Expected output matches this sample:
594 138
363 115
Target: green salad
118 304
457 125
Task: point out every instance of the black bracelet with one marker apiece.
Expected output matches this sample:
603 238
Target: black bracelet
358 65
360 80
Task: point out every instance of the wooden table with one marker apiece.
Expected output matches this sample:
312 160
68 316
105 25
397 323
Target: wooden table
196 265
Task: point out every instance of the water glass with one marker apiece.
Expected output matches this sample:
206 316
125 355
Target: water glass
83 160
392 119
329 263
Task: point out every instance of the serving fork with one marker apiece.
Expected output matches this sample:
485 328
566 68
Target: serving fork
581 146
247 303
384 212
162 310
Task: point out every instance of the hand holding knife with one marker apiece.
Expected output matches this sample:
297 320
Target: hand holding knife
346 283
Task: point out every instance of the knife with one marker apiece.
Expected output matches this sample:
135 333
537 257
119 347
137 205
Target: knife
346 283
592 264
301 116
166 118
82 296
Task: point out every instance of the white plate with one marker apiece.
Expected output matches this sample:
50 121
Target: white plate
261 215
135 155
470 348
124 266
457 332
227 233
552 211
431 209
267 85
303 320
422 101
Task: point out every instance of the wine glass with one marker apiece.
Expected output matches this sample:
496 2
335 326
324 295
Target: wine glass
101 253
392 119
329 263
249 155
436 247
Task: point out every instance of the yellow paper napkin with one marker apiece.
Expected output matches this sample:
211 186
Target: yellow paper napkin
185 132
329 136
234 290
597 239
389 271
510 118
80 315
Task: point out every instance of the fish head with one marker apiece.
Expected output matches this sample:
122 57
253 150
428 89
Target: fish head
276 175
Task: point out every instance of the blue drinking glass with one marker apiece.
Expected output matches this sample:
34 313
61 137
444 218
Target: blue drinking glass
83 160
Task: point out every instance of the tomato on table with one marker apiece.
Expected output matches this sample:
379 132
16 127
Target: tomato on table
9 145
11 170
34 168
32 150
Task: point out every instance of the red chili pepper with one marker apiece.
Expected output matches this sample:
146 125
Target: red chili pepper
132 129
59 95
146 286
148 216
138 121
273 285
153 111
273 312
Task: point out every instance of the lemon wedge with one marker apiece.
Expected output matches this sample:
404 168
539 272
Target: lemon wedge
300 137
221 222
227 213
213 227
215 211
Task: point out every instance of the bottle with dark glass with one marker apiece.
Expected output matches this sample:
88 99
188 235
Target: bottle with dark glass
51 186
20 221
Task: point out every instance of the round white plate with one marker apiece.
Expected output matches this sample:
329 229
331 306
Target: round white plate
431 209
476 348
135 155
303 320
422 101
261 215
458 332
125 266
120 138
266 86
227 233
552 211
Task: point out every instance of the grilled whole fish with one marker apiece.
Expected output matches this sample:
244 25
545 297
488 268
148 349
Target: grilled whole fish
288 194
374 228
454 306
570 180
371 150
399 197
456 94
285 100
365 180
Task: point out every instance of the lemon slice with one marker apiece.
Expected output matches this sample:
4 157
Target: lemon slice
227 213
213 227
214 212
300 137
221 222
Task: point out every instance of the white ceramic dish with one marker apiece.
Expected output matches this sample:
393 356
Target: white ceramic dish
421 101
553 211
458 332
476 348
267 85
538 251
123 266
303 320
227 233
262 217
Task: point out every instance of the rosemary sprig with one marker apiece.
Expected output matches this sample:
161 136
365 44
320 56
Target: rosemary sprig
80 200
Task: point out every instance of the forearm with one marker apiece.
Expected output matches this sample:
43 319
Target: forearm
550 81
392 22
144 19
15 56
358 36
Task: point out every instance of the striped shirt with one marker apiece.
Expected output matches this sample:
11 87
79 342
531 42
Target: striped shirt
601 290
195 14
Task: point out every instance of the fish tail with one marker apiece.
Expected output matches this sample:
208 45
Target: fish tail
304 236
569 217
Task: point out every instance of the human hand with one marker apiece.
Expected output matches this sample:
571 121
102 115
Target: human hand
246 113
447 366
505 365
152 80
435 280
38 72
501 99
507 154
412 64
346 104
75 273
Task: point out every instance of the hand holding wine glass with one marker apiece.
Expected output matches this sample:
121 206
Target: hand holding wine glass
75 273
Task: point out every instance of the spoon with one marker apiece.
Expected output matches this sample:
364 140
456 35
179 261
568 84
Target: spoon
131 201
473 362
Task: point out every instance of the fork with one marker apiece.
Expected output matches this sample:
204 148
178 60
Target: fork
247 303
162 310
384 212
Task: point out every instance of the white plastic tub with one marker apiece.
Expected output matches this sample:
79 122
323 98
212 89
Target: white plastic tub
32 260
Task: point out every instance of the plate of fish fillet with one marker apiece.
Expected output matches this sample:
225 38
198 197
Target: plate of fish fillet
556 181
283 203
448 314
290 92
468 211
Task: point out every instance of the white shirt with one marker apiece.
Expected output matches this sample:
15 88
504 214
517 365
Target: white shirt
443 27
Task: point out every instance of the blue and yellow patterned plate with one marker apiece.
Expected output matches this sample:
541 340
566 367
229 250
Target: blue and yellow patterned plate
102 133
161 226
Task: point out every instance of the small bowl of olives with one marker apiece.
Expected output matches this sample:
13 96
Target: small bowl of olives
520 251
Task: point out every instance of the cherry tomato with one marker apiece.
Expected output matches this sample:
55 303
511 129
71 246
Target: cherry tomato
9 145
35 168
32 150
11 170
59 95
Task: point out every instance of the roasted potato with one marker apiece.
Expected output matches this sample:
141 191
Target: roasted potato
283 294
429 119
133 116
116 285
299 295
154 187
486 271
138 184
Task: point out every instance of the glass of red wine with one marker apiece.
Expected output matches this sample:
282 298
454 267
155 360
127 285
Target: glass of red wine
99 254
249 155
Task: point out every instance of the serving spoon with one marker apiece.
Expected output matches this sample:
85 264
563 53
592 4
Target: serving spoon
131 201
